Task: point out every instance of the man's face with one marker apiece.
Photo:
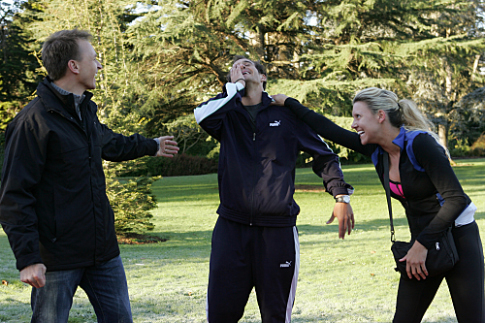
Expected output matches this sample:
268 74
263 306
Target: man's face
249 71
88 65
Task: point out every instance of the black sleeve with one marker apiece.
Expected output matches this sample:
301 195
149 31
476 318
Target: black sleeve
116 147
326 163
328 168
431 156
329 130
25 157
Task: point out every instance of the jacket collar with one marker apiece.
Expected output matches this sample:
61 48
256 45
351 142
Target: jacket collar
266 99
401 138
47 92
405 141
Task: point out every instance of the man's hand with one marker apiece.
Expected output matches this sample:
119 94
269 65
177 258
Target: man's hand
168 147
34 275
279 99
343 212
416 261
236 75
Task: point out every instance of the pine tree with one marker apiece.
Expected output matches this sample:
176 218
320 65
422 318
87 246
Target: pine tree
118 87
18 78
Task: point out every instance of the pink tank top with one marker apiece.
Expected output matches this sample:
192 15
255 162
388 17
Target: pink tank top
396 188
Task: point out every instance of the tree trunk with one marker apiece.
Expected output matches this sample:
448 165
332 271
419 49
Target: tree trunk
475 67
442 134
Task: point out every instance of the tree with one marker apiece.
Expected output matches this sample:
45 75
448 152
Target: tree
443 69
185 47
117 90
163 57
18 78
131 201
469 117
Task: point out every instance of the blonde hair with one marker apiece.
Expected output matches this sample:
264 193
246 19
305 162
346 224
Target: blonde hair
403 113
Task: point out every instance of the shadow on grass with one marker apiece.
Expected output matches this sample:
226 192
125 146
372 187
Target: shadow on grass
354 318
369 225
330 318
185 236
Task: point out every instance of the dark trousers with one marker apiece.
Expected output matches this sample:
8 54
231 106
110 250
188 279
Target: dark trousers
465 282
243 257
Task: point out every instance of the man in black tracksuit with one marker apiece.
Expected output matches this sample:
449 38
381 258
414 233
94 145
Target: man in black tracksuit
255 241
53 203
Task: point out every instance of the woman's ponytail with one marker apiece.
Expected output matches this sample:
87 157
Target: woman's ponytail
401 113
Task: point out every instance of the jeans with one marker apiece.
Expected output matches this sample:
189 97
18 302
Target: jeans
105 285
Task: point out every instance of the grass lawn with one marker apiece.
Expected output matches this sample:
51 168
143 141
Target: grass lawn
349 280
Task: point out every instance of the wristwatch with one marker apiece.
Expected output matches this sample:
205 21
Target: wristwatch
343 199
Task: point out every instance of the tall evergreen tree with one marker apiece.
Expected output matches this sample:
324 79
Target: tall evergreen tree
118 85
18 78
443 68
162 57
319 52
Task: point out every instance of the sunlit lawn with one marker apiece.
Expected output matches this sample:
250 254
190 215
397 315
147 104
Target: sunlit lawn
349 280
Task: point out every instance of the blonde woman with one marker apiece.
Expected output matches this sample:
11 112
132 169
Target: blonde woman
422 179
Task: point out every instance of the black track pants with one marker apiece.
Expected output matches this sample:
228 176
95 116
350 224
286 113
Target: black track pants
244 257
465 282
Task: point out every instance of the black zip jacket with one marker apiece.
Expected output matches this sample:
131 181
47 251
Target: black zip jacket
53 203
257 160
434 197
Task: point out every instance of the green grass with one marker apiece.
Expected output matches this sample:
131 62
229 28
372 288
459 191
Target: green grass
349 280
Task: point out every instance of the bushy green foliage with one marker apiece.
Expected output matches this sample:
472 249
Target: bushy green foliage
117 90
478 147
469 116
161 58
459 148
131 200
190 136
18 64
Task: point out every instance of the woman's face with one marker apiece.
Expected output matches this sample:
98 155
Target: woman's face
365 123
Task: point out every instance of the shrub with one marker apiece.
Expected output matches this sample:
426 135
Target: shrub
179 165
460 148
184 164
478 147
131 201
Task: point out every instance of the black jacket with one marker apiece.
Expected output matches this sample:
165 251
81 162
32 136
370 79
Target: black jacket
257 161
53 203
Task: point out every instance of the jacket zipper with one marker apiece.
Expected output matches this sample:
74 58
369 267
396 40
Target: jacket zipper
254 180
87 134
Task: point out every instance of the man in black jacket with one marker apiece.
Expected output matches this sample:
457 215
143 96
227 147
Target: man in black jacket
53 203
255 240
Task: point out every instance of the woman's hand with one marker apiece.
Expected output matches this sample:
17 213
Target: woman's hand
279 99
415 261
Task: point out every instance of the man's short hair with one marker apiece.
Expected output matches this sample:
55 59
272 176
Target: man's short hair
259 66
59 48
